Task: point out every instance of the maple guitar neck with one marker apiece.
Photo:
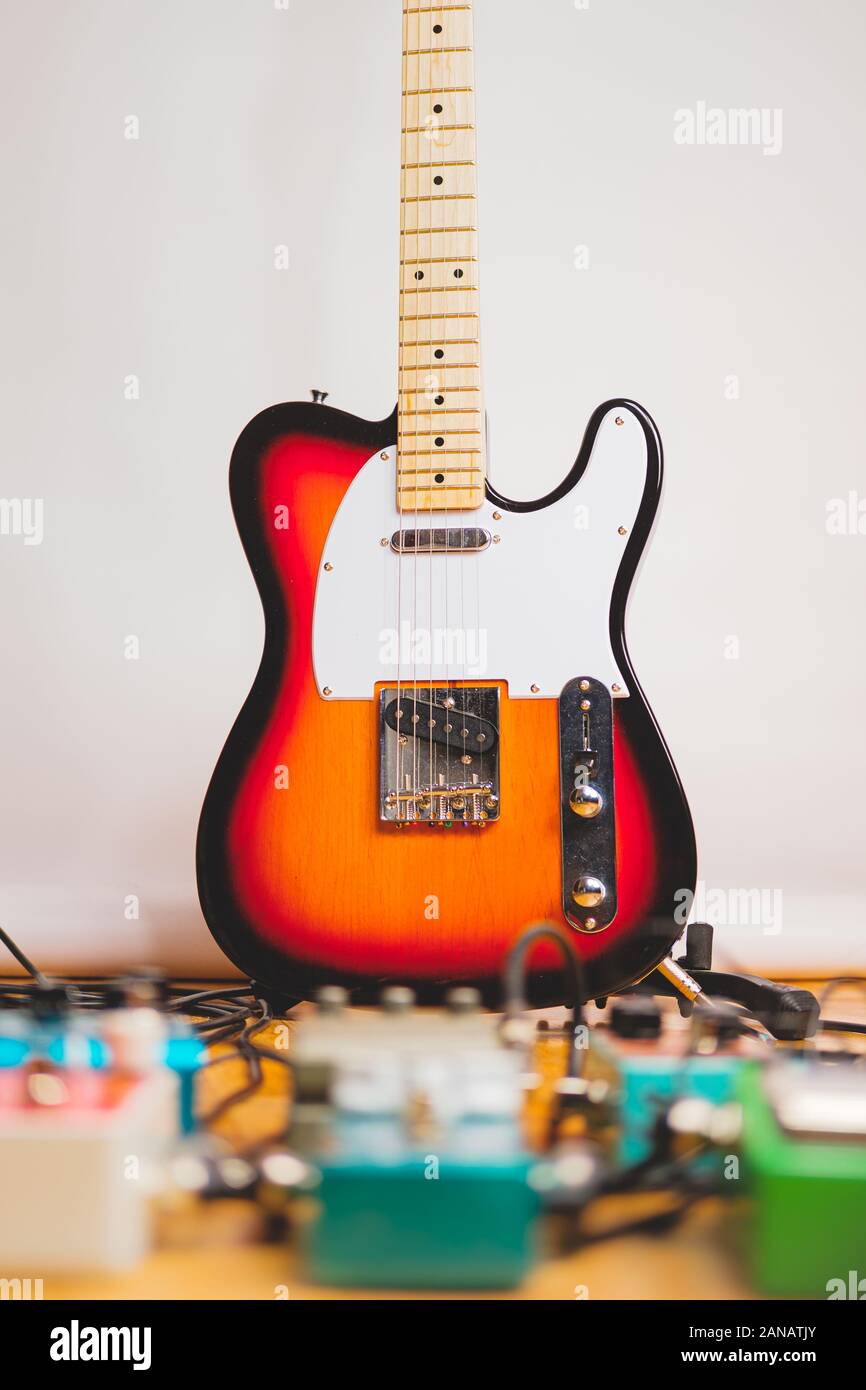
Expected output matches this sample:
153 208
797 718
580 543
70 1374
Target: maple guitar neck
440 464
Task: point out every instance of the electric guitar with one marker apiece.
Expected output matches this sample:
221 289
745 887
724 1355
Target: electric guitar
445 740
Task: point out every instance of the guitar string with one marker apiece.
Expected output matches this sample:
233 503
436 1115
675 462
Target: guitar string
464 634
477 673
441 150
402 377
416 731
416 744
447 568
431 763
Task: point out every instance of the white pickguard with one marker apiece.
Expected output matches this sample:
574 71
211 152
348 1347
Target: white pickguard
532 609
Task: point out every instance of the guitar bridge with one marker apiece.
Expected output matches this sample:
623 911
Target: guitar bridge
439 755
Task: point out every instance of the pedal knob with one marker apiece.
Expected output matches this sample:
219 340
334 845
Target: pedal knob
634 1017
331 999
585 801
397 999
588 891
463 1000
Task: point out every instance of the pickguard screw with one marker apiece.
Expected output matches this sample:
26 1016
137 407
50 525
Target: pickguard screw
622 531
384 458
327 690
616 689
620 420
535 689
497 516
496 540
384 540
328 568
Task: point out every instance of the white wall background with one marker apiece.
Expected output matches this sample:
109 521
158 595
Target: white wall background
154 257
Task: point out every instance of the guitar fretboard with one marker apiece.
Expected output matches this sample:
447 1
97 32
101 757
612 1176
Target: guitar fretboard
440 464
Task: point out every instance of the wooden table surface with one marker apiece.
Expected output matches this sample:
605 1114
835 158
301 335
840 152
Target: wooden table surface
217 1251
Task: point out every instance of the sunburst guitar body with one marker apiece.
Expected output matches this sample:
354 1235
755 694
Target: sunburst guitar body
445 741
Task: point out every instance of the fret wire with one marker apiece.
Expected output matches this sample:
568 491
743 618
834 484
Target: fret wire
444 164
423 129
439 289
436 198
431 52
434 91
433 231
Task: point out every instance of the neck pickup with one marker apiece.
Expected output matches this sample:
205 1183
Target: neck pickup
441 541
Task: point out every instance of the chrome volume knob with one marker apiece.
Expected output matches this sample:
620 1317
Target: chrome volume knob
585 801
588 891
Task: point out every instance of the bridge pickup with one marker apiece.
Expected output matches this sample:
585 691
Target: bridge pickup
588 825
439 755
440 540
416 717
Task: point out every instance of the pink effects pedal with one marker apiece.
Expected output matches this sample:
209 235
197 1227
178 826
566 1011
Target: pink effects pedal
81 1157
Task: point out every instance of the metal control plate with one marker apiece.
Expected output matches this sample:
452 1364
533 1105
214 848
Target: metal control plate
586 778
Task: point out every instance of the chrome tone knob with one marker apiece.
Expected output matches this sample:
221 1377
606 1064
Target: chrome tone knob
585 801
588 891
